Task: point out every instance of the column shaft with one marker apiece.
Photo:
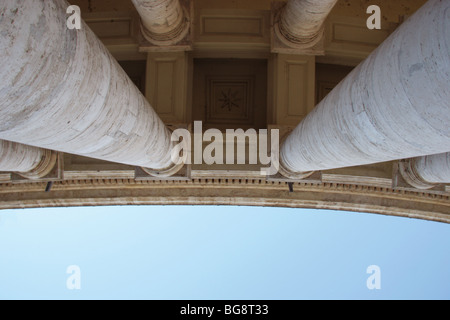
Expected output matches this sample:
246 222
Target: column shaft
29 161
425 172
434 168
164 21
394 105
301 21
62 90
18 157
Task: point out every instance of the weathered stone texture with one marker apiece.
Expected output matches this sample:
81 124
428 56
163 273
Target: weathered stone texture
395 105
62 90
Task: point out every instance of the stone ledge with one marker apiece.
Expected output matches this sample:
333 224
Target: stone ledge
234 192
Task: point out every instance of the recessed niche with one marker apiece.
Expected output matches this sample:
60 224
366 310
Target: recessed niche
230 93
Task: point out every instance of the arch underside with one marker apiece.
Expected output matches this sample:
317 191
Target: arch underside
230 192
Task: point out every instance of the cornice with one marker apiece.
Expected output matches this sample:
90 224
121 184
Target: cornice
425 205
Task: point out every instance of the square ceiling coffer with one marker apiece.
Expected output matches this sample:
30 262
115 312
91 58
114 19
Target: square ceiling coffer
230 94
230 100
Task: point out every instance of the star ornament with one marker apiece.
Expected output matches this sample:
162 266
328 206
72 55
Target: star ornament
229 100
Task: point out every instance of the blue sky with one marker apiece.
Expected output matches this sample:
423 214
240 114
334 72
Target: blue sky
220 253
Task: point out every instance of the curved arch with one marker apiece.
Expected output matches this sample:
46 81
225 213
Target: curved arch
425 205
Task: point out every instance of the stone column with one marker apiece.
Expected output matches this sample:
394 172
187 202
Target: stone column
395 105
300 23
164 22
30 162
426 172
62 90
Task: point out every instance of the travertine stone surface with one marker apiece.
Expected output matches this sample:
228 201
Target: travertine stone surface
394 105
434 168
18 157
164 21
30 162
62 90
301 21
426 172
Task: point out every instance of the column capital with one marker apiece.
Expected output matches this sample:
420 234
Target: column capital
174 167
407 169
171 38
48 162
426 172
284 168
285 172
298 26
285 37
166 172
165 26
